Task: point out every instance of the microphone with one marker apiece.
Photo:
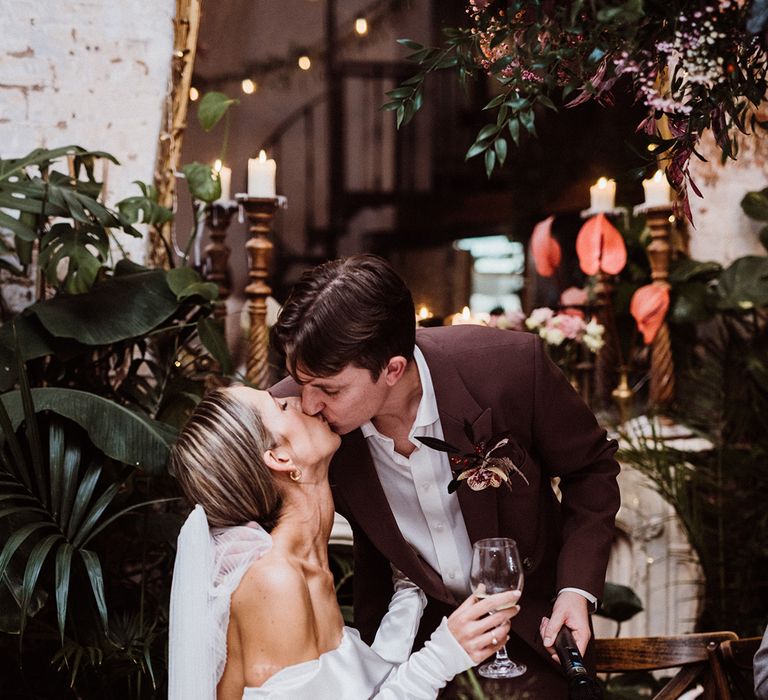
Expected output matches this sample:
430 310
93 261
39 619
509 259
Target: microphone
581 686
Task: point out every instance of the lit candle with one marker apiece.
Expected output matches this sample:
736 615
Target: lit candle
261 176
464 318
424 313
602 195
225 177
657 190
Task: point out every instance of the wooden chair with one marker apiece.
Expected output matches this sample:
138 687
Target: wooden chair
695 654
737 657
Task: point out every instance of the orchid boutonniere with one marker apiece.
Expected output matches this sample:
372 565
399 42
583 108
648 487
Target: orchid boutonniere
479 468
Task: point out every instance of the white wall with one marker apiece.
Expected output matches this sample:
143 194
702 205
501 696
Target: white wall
88 72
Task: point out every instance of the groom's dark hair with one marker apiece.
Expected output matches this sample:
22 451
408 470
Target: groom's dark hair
354 310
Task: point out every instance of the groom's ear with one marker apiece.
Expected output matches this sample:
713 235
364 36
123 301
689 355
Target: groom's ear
279 459
395 369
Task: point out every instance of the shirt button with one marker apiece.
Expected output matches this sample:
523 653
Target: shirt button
452 574
439 527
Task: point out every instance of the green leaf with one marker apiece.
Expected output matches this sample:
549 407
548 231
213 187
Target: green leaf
213 106
82 498
514 130
70 473
490 161
212 337
500 146
495 102
744 285
476 149
121 307
399 93
125 436
17 227
410 44
84 247
688 270
487 131
16 539
35 563
692 303
93 568
763 236
619 603
755 205
527 120
63 569
92 519
202 181
144 208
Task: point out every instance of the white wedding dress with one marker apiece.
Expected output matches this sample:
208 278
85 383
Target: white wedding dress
199 617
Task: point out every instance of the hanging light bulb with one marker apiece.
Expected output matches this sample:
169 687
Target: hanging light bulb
248 86
304 62
194 93
361 26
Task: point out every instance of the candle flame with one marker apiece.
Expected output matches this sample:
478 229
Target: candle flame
602 183
658 175
424 312
465 313
262 156
217 165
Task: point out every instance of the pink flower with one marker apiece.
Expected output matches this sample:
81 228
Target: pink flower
539 317
571 326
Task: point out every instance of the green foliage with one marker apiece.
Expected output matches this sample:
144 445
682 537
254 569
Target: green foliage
213 106
96 376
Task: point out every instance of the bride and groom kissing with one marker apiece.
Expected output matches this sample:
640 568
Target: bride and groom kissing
253 606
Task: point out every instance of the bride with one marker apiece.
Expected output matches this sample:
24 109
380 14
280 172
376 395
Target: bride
253 607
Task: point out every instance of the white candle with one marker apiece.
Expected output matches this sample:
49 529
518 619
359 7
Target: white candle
657 190
225 177
602 195
261 176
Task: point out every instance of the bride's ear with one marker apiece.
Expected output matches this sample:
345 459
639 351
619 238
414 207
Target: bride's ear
279 459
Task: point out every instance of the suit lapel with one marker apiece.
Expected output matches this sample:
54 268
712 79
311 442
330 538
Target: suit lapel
355 477
455 405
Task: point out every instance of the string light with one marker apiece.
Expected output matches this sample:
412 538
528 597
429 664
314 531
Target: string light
304 63
361 26
248 86
194 93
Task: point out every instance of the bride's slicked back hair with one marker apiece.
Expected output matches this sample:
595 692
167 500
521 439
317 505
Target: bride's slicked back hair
218 461
354 310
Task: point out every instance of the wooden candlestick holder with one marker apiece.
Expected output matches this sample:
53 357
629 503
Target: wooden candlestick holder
660 220
260 212
218 216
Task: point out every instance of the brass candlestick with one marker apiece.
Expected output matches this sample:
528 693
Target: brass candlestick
216 254
659 251
260 212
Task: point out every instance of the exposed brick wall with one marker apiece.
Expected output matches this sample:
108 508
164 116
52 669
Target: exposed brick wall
91 73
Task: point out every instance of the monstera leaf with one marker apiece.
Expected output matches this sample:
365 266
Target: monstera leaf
744 285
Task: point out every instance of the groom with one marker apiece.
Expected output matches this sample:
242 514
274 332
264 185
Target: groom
348 335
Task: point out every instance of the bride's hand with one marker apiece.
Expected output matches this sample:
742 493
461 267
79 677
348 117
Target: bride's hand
481 626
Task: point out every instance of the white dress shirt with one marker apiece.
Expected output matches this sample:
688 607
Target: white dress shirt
416 488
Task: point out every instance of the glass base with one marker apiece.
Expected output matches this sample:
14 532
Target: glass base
502 668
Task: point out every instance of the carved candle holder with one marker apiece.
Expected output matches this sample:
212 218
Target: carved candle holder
260 212
660 220
218 216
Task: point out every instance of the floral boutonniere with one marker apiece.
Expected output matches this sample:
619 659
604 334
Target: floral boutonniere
479 468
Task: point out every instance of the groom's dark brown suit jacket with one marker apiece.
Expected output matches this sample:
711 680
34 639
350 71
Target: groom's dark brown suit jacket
498 381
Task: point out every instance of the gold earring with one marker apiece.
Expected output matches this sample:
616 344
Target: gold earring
295 475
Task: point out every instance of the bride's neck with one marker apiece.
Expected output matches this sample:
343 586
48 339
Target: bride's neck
305 522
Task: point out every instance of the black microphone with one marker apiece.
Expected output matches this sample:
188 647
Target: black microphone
581 686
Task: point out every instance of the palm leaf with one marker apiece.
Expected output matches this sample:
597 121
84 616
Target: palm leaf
93 568
56 457
63 568
16 540
95 513
35 563
84 492
32 428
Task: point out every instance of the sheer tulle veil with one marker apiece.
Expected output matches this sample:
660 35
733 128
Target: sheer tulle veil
209 566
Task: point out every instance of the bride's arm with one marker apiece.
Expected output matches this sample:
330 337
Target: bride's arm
460 642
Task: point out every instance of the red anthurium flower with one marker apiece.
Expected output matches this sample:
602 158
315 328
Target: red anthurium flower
600 246
545 249
649 306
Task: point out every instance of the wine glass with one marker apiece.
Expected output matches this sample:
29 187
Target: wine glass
496 568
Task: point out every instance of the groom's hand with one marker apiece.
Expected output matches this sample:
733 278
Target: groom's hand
570 609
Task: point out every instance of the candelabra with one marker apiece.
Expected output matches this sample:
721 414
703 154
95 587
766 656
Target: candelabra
260 212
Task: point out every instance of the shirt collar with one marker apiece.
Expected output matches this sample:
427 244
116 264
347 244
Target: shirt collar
427 412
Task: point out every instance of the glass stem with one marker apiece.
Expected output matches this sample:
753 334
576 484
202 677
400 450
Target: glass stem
501 655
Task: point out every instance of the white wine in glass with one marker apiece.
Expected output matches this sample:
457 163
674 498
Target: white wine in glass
496 568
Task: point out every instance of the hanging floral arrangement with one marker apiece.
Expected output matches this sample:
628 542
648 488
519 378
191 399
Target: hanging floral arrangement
693 65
